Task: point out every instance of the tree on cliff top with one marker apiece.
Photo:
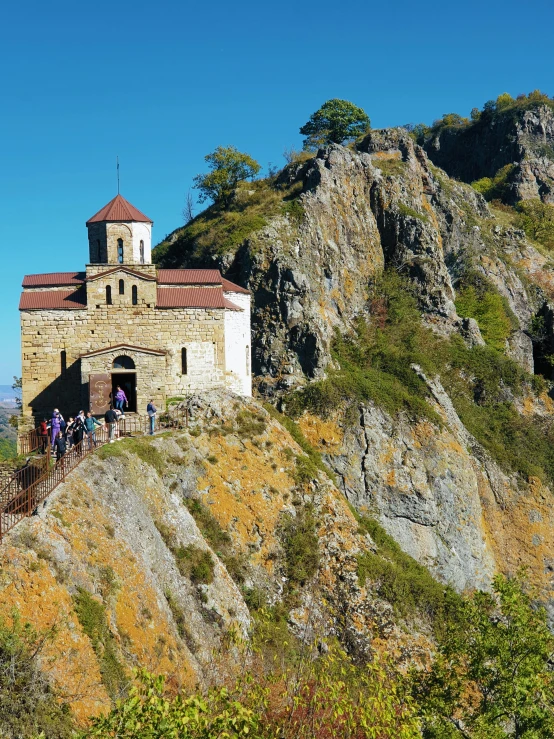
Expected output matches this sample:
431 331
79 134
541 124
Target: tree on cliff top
335 122
228 167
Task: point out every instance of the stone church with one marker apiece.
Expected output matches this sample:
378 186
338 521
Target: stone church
158 333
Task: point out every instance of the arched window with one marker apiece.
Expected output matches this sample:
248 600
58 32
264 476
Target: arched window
122 287
120 251
123 362
108 294
63 360
141 251
247 361
184 368
134 295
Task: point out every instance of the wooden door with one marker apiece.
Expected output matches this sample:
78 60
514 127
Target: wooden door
100 388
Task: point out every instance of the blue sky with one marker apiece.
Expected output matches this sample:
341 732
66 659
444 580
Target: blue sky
162 84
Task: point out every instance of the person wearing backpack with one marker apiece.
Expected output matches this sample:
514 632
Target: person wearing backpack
43 434
90 428
79 430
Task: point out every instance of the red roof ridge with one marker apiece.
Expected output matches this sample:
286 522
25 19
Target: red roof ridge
122 268
119 209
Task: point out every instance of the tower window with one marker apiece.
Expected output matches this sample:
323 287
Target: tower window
99 252
63 360
134 295
122 287
141 251
120 251
184 367
108 294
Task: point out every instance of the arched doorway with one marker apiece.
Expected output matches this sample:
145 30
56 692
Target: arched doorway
124 375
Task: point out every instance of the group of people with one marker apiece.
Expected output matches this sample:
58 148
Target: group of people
63 436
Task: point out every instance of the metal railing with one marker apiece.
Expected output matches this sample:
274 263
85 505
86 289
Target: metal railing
33 483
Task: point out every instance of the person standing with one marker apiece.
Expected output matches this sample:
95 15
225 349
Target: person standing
69 432
60 446
43 433
79 430
120 399
111 420
90 424
55 426
152 410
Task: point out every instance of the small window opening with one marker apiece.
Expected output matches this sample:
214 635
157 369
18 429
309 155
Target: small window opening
134 295
123 362
247 361
108 294
63 360
184 367
142 251
120 251
122 287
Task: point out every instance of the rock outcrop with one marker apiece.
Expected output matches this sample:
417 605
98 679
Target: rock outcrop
522 138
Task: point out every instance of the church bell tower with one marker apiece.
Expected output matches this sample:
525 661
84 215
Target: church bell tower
120 234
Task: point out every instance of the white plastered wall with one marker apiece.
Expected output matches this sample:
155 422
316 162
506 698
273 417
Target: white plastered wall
238 345
142 232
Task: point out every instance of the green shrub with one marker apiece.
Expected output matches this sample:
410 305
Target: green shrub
28 703
403 582
219 540
300 543
477 298
92 617
406 211
195 563
497 187
537 220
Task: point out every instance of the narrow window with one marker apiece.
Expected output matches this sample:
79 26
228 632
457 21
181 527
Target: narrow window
142 251
120 251
184 368
134 295
99 252
108 295
63 360
122 287
247 361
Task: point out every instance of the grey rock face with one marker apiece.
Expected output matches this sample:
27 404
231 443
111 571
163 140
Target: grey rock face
524 139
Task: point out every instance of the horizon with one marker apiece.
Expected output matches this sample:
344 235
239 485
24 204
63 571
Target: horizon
78 96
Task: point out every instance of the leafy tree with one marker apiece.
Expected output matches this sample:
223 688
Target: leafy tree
228 167
28 704
492 678
537 220
334 123
504 101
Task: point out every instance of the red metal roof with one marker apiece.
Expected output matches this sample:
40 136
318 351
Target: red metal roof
54 279
197 277
189 277
231 287
117 210
53 299
230 306
190 297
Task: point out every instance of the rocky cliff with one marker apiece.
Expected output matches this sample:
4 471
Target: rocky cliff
521 138
455 502
155 551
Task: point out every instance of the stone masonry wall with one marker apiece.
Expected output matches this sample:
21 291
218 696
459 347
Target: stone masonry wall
46 333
